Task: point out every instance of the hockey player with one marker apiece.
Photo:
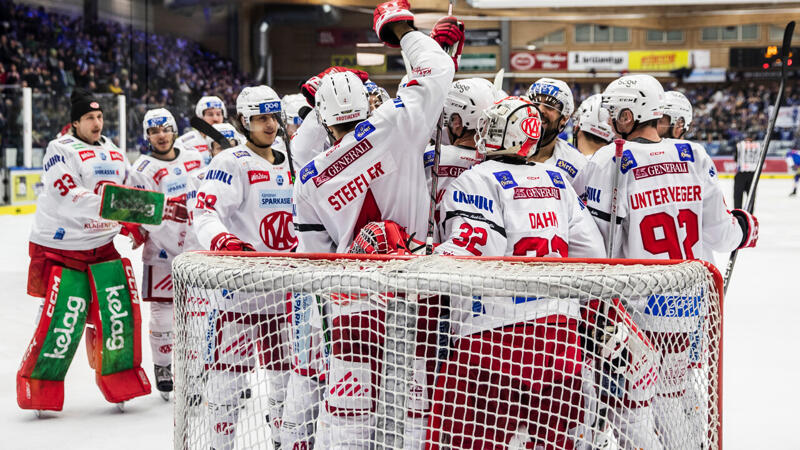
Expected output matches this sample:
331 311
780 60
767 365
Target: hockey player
670 207
211 109
245 203
592 126
677 116
510 206
74 265
166 169
373 172
377 95
465 102
553 99
793 161
747 157
292 105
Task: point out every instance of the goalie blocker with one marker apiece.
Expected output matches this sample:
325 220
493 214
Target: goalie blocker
103 295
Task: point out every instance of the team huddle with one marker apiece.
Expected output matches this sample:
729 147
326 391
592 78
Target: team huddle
344 168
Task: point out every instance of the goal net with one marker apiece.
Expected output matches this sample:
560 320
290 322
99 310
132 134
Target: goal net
355 351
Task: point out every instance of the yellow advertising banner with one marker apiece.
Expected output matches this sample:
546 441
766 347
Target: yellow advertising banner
25 185
351 62
658 59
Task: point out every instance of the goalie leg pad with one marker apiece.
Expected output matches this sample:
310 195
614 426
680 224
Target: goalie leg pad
161 335
535 367
40 379
117 333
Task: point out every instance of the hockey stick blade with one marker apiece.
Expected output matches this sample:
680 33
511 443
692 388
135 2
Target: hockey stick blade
751 196
203 127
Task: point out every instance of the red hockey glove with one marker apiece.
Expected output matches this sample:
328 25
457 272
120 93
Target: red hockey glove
230 243
175 209
449 34
134 231
98 188
391 12
310 87
749 225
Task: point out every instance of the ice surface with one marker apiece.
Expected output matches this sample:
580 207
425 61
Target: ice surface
761 359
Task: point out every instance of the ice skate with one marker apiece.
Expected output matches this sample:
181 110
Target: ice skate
163 380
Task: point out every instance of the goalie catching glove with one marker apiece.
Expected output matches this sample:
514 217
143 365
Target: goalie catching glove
449 34
384 238
749 225
310 87
388 13
230 243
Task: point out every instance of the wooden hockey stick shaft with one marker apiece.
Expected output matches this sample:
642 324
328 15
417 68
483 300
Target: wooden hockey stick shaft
751 196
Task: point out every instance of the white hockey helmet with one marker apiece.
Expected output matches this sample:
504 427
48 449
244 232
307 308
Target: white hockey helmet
159 117
553 93
676 106
257 100
592 118
511 126
642 94
378 95
229 131
291 107
468 98
342 98
208 102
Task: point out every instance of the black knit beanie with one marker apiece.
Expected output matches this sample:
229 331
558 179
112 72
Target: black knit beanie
83 102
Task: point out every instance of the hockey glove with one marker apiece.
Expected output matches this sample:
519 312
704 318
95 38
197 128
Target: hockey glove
175 209
749 225
230 243
384 238
449 34
391 12
310 87
134 231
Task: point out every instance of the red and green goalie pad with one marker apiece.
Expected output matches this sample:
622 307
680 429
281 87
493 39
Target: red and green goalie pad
126 204
107 299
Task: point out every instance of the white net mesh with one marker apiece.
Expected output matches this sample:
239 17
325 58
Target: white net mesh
435 352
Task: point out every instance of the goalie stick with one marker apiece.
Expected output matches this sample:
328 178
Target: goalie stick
203 127
751 197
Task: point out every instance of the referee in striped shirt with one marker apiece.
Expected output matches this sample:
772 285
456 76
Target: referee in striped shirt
747 157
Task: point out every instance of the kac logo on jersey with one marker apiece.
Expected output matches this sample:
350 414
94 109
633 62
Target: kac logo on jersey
241 153
363 130
558 181
505 179
685 152
269 107
628 161
567 167
307 172
428 158
144 164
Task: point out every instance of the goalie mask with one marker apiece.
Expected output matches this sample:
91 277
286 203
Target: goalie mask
258 100
677 106
592 118
209 102
468 98
342 98
159 119
511 126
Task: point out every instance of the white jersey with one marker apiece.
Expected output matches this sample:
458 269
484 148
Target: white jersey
196 178
567 159
165 241
748 156
243 194
670 205
310 139
194 140
68 209
502 209
453 161
376 172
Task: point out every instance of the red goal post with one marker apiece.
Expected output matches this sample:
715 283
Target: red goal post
440 337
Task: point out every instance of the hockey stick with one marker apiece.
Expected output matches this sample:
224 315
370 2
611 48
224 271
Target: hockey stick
437 149
498 80
751 196
287 141
203 127
618 143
